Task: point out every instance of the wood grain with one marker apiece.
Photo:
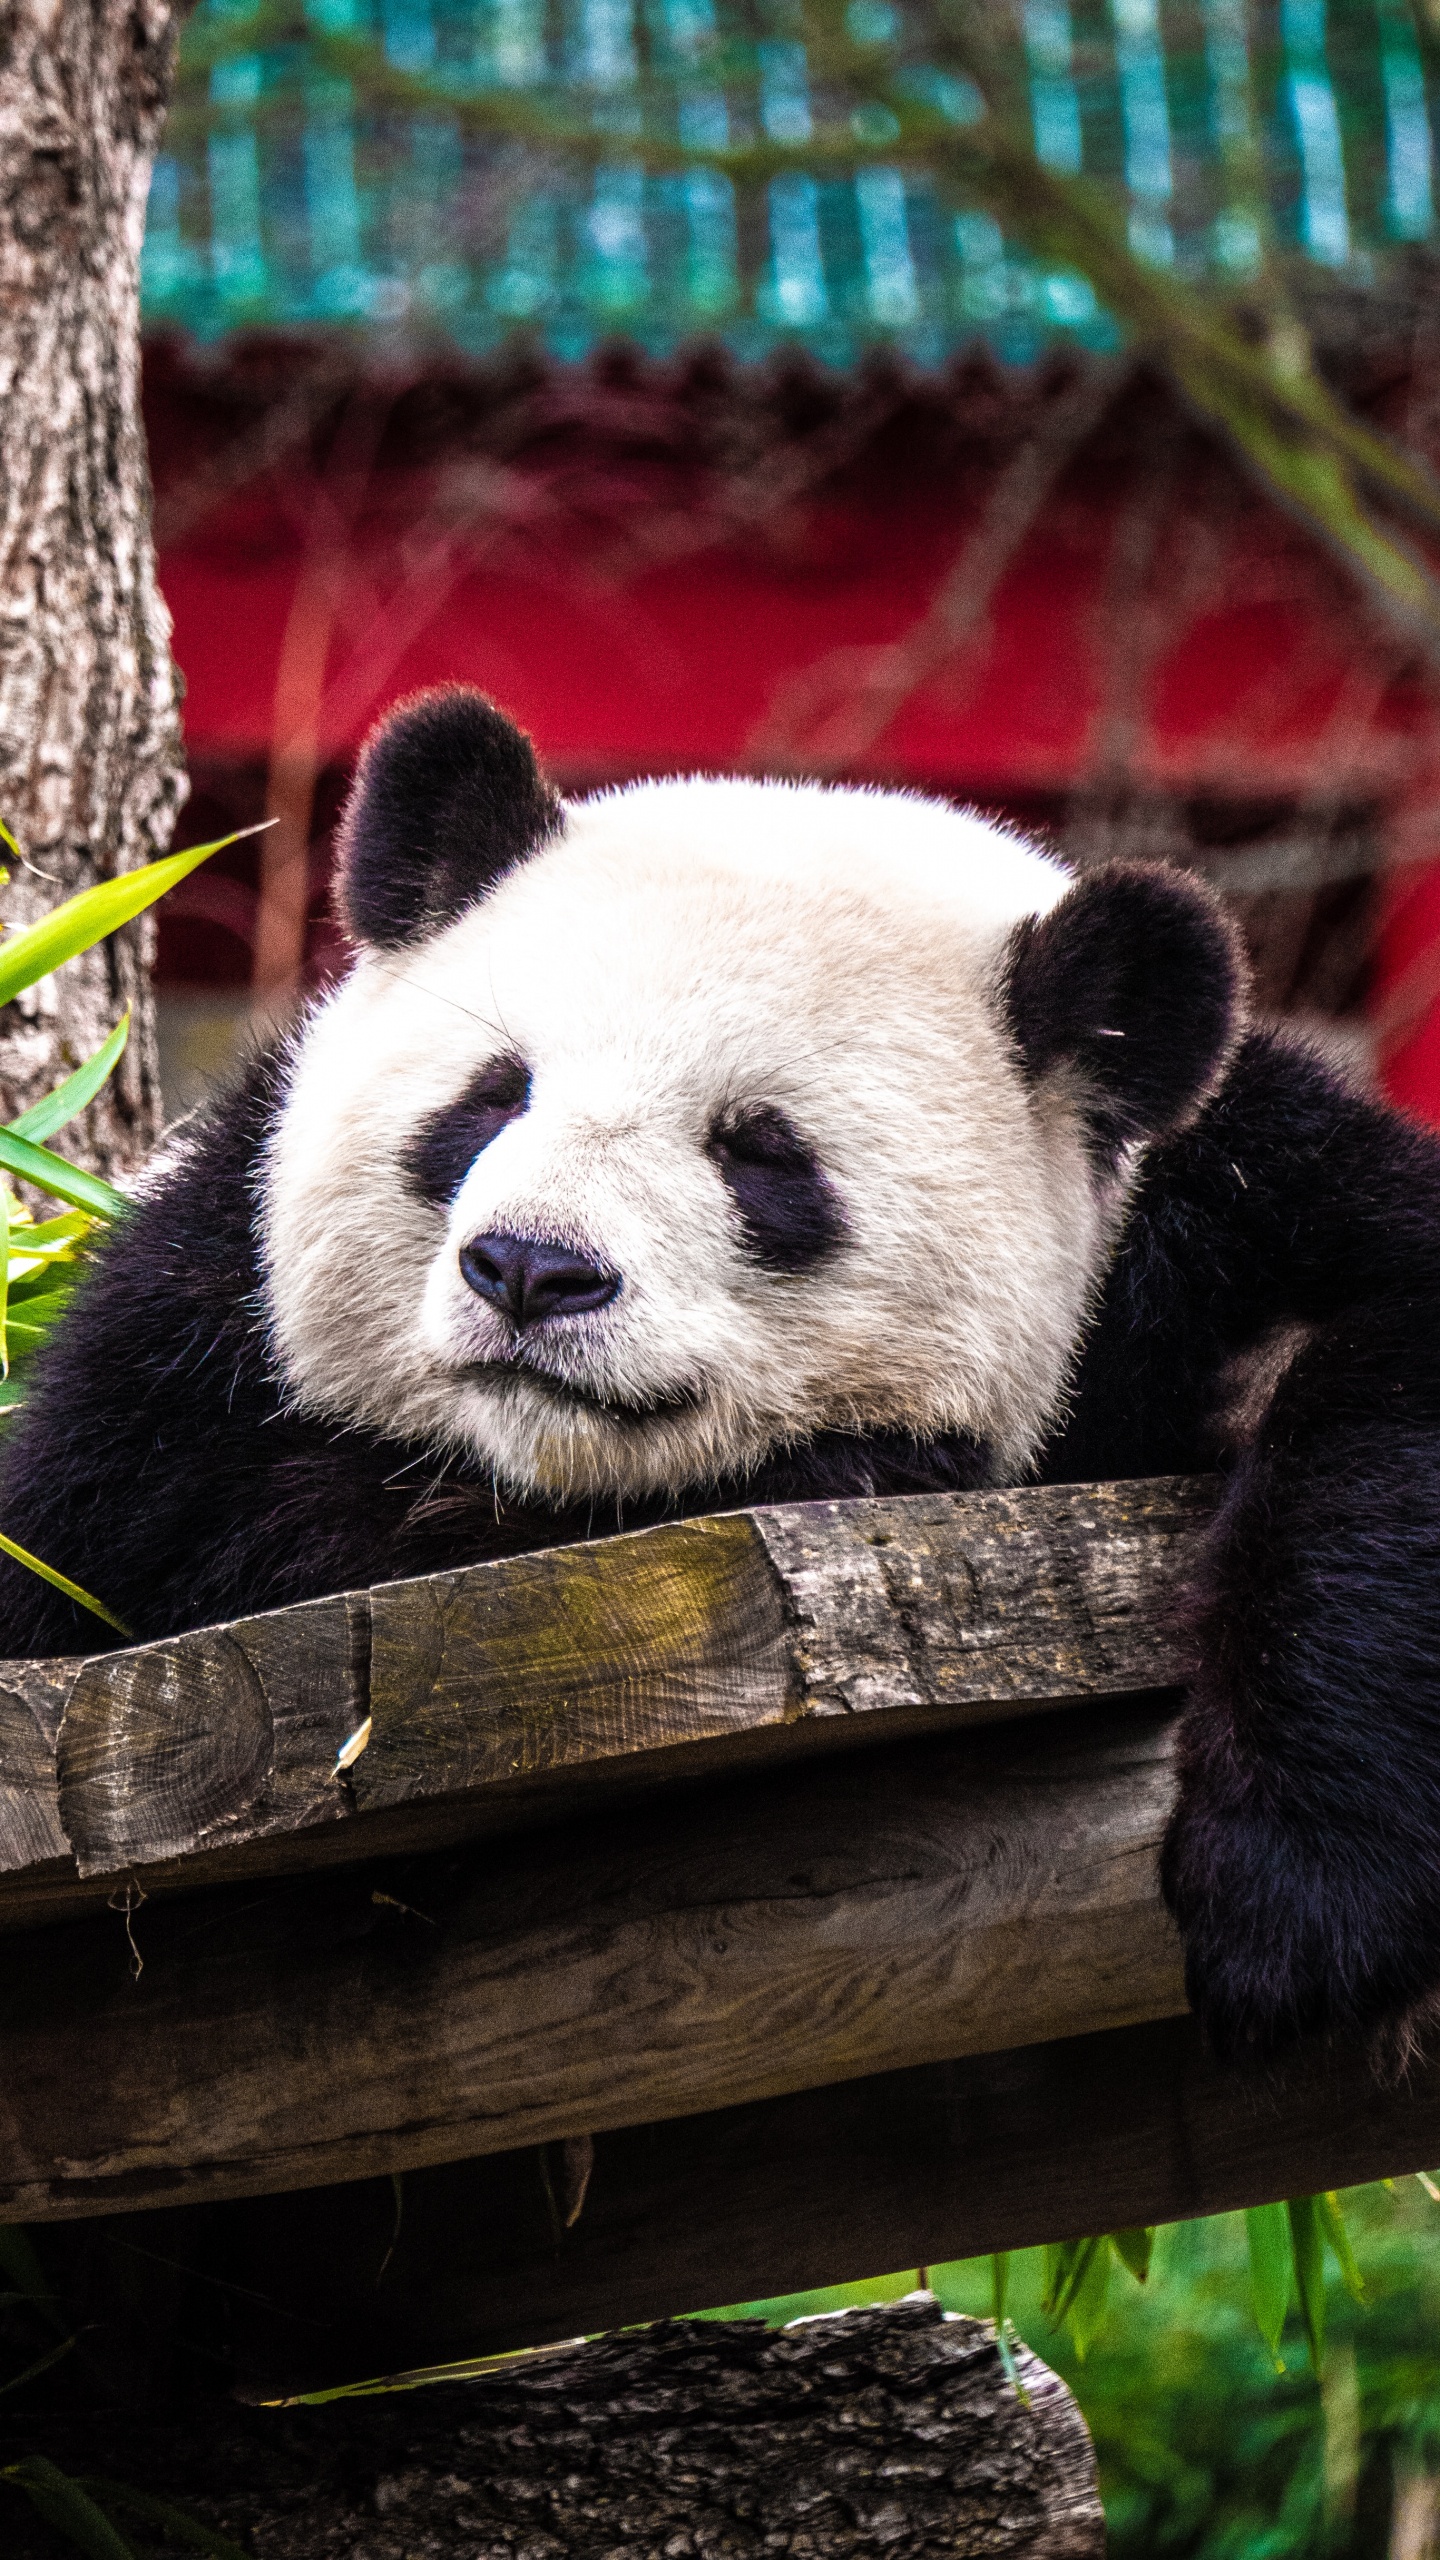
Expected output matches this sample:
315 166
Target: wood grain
783 1931
32 1702
519 1691
917 2167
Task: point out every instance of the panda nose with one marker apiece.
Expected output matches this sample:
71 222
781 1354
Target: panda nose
530 1279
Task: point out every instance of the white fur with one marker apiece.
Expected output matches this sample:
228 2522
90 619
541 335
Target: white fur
684 946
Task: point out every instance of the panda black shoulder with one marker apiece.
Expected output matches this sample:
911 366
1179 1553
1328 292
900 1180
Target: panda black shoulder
158 1376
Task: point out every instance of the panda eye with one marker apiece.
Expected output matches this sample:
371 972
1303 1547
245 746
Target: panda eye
761 1135
790 1215
445 1146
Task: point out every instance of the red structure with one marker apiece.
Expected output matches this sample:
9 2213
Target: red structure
1049 594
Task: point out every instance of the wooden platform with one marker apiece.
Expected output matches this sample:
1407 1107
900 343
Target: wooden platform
789 1870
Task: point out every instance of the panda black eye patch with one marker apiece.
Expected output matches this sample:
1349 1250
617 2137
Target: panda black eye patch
789 1213
444 1147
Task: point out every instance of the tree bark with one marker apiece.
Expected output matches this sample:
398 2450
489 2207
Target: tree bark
91 761
890 2432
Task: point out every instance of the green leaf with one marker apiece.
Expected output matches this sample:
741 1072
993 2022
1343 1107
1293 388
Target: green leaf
1085 2310
999 2287
4 1280
25 1335
52 1173
1135 2248
1074 2273
1332 2224
79 922
1267 2227
71 1590
1309 2255
18 2260
42 2364
170 2520
62 2502
44 1118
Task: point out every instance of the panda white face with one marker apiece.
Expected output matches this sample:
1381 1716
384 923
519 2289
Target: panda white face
702 1132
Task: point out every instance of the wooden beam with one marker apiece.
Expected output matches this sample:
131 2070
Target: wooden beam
911 2168
782 1931
517 1692
293 2293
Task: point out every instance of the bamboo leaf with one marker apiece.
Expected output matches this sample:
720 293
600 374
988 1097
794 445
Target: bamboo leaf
1079 2257
1086 2308
61 1582
999 2287
1309 2256
88 917
1135 2248
1059 2259
67 1181
42 2364
26 1333
63 2503
44 1118
1267 2228
170 2520
1332 2224
18 2260
4 1280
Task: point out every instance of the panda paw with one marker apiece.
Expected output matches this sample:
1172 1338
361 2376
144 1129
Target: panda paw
1292 1934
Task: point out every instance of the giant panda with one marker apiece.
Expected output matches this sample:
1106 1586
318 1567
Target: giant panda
720 1141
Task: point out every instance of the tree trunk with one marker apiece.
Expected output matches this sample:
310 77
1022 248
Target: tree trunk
91 761
884 2434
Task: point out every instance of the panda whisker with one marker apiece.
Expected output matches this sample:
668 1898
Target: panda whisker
402 978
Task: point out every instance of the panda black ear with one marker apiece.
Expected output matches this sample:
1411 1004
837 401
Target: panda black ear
1134 984
447 796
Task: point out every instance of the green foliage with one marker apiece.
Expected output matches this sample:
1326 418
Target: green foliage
40 1261
1213 2443
76 2507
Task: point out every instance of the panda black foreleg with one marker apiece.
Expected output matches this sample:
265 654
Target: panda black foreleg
1303 1858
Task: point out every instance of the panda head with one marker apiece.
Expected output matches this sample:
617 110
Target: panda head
656 1133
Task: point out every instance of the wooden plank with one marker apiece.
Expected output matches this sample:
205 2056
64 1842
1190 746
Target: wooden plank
951 2160
32 1702
790 1929
912 2168
508 1693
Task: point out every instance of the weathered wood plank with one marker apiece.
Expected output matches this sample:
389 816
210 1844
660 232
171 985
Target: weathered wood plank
32 1702
788 1930
952 2160
503 1693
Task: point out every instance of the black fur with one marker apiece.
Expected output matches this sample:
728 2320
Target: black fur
447 797
790 1216
1303 1860
444 1148
1132 983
